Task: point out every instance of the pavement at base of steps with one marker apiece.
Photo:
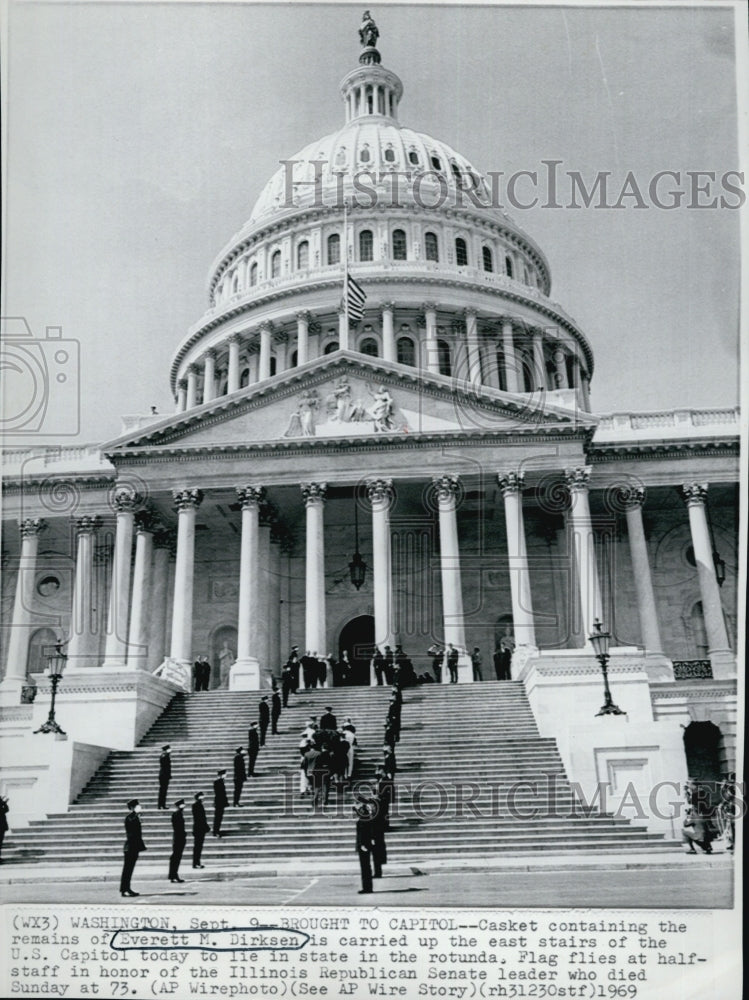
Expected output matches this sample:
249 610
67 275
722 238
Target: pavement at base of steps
676 858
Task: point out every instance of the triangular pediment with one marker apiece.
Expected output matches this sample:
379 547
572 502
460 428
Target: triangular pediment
346 396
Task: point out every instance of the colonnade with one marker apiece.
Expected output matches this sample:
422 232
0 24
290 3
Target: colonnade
474 356
137 607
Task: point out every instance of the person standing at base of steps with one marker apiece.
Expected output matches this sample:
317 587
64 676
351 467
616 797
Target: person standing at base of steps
364 844
253 748
220 802
197 675
275 709
200 827
240 775
133 847
263 715
165 775
476 663
452 662
179 839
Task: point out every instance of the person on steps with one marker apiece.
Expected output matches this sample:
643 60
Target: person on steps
179 839
133 847
263 711
220 802
165 775
253 748
240 775
200 828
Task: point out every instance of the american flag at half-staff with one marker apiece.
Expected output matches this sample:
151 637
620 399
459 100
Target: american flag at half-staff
355 299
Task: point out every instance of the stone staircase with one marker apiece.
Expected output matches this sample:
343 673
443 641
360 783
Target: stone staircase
475 778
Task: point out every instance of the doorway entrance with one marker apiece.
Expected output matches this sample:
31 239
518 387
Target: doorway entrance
702 746
357 638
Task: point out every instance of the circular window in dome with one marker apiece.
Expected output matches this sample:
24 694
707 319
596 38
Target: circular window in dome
48 585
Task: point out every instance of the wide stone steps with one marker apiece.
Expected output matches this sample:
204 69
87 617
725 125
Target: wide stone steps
464 749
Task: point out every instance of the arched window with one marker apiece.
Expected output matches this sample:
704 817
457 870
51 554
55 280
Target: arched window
461 252
302 256
273 364
334 249
364 154
253 274
366 245
294 359
41 643
431 247
340 159
390 155
275 264
488 260
508 266
501 371
244 378
413 157
406 351
369 346
443 357
331 346
235 284
399 244
436 162
456 171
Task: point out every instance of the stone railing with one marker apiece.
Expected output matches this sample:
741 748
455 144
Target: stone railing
687 670
679 420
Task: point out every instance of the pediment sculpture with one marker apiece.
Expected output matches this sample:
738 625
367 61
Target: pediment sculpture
314 415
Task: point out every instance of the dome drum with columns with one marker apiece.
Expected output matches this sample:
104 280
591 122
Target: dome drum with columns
446 437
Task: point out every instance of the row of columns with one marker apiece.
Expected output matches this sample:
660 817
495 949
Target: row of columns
187 391
135 622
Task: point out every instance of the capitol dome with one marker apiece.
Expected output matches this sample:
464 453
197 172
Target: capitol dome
453 285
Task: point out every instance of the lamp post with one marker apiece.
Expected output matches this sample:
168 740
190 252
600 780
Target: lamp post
599 640
56 663
357 567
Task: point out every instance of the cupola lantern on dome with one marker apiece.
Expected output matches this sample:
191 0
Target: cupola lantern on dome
371 90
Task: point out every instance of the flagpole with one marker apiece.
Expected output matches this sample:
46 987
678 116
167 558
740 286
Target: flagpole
345 267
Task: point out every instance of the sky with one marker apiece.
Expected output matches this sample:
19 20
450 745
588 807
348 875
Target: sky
140 135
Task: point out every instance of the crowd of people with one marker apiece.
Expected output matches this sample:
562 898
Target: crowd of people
706 820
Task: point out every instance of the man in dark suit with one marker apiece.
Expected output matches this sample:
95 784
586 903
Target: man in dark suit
437 656
3 821
206 670
293 663
165 775
309 669
240 775
498 669
379 665
200 828
385 795
263 713
388 762
287 683
179 839
133 846
452 662
389 665
275 710
220 802
197 675
328 720
364 844
253 748
379 847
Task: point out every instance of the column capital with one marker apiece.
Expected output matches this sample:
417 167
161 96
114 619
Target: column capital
265 327
470 313
578 479
182 383
303 316
387 306
630 497
429 307
31 526
88 524
511 482
192 369
210 354
312 492
250 496
380 492
447 487
126 499
234 338
694 494
187 499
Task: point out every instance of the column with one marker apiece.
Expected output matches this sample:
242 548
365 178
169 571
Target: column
209 376
252 363
719 650
81 639
380 495
181 395
389 352
313 495
192 387
511 363
511 484
560 368
638 551
265 338
20 632
281 341
539 362
142 607
585 387
187 502
274 600
430 349
302 335
343 338
589 586
163 542
233 376
250 498
262 572
447 489
472 344
125 503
